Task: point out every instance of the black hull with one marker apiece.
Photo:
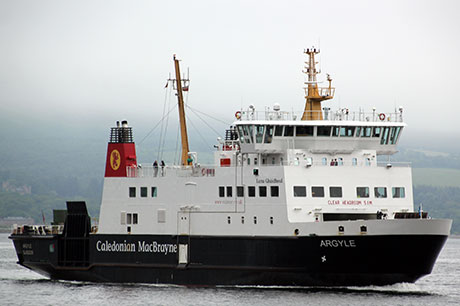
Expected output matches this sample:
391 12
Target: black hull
228 261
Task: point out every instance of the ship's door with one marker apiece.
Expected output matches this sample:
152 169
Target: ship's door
183 224
183 237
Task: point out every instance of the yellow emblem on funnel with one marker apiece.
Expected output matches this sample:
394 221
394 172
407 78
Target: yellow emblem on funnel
115 160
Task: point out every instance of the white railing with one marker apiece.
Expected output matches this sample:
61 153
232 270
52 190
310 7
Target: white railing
177 171
210 170
337 115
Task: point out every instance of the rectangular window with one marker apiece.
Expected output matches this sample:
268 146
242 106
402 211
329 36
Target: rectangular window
259 133
132 192
161 215
349 131
268 134
335 131
279 130
154 192
394 134
300 191
335 192
324 131
362 192
129 218
304 131
221 191
143 192
240 133
229 192
317 191
385 136
377 131
134 218
398 192
251 191
123 217
288 130
358 131
380 192
274 191
247 131
262 191
240 191
366 131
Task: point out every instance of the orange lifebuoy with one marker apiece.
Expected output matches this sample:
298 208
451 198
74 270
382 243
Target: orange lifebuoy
382 116
238 115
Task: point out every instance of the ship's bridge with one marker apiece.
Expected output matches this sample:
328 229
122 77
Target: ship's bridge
340 132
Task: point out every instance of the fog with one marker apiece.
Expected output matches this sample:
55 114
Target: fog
95 62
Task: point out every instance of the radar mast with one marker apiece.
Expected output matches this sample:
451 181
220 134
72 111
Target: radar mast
314 94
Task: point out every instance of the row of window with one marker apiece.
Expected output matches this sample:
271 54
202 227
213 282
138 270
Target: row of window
227 191
143 192
336 192
229 220
265 133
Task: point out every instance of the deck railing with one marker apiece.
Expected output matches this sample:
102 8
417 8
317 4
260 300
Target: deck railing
210 170
337 115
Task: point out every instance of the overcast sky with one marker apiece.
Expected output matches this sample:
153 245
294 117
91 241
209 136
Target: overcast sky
108 60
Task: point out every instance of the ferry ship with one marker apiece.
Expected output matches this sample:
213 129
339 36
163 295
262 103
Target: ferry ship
291 200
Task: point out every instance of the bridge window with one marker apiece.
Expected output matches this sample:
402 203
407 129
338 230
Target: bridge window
268 134
317 191
347 131
259 133
377 131
300 191
279 130
240 133
354 161
340 161
324 161
362 192
274 191
380 192
132 192
247 130
154 192
262 191
288 131
324 131
335 131
384 139
398 192
335 192
358 131
394 134
304 131
143 192
366 131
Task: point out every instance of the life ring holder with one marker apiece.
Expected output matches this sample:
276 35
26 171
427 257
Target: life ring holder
238 115
382 116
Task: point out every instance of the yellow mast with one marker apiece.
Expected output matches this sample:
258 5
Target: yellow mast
314 94
183 125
